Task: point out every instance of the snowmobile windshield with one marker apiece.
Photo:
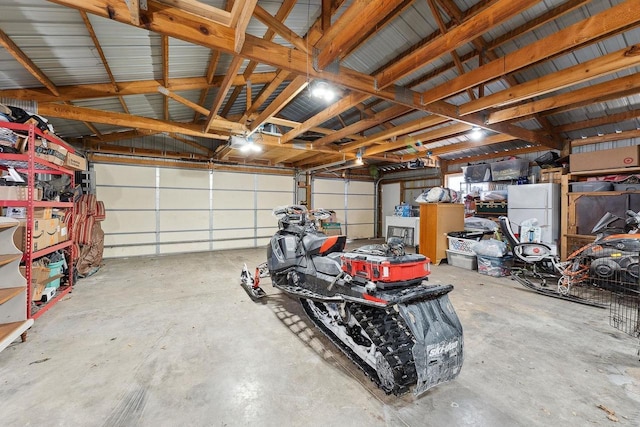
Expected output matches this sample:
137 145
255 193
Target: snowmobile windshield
604 222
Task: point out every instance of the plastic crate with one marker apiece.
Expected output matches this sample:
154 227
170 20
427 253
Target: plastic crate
509 169
462 259
590 186
494 266
477 173
461 241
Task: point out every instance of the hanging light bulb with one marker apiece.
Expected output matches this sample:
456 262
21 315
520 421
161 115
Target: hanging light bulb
476 134
322 90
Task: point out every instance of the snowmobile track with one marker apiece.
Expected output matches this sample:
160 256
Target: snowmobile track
390 335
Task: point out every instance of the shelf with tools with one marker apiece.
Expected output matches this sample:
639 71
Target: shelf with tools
40 233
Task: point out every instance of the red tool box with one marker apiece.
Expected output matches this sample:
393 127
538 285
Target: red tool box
386 269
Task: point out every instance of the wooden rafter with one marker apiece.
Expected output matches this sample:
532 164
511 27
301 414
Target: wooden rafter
340 106
193 144
281 101
198 8
27 63
599 121
497 13
596 139
607 90
262 97
359 18
277 26
281 15
606 22
211 69
224 88
383 116
421 139
240 17
134 11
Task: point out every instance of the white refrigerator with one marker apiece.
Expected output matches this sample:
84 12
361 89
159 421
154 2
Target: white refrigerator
540 201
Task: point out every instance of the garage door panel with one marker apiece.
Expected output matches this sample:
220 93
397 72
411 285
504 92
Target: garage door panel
234 244
184 247
233 234
233 200
275 182
232 219
184 198
125 175
127 198
360 231
128 239
360 202
126 251
129 221
266 219
184 178
184 220
361 187
269 200
184 236
233 181
328 201
335 186
360 216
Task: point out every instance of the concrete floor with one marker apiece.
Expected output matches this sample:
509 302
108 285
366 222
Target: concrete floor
174 340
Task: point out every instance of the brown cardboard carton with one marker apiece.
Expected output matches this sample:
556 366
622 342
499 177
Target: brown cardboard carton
75 162
613 158
45 234
39 279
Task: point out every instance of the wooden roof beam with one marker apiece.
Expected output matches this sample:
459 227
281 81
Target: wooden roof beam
296 86
222 91
338 107
604 23
424 138
364 124
276 25
610 90
193 144
120 119
596 139
361 17
577 74
495 14
284 11
389 134
599 121
264 94
194 7
240 17
27 63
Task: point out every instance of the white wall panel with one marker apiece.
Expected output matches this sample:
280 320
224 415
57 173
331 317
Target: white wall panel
328 185
127 197
360 202
233 181
269 200
223 199
183 198
152 210
184 178
361 187
140 176
128 221
184 220
360 231
275 182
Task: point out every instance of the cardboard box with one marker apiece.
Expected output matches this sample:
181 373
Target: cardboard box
553 175
613 158
45 234
39 279
63 233
18 193
75 162
47 150
21 212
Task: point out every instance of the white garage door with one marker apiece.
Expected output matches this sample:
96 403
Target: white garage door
153 210
353 202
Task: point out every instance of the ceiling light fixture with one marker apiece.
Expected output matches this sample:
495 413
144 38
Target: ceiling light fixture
359 160
322 90
476 133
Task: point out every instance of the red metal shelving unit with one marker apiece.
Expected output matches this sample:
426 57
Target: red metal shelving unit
29 164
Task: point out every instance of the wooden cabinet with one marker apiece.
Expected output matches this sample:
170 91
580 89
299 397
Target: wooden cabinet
13 288
582 210
436 220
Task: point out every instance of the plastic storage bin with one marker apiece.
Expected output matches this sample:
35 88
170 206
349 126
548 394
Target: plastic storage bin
55 268
477 173
461 241
462 259
590 186
494 266
509 169
626 187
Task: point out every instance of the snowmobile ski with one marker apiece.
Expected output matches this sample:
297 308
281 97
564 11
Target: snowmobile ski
251 284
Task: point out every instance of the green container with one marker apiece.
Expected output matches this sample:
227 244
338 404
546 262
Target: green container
55 268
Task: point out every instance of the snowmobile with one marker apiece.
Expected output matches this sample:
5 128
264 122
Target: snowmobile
373 303
612 261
